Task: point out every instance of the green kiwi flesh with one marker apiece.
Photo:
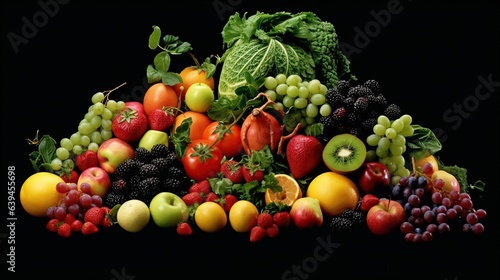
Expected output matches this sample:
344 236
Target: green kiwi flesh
344 153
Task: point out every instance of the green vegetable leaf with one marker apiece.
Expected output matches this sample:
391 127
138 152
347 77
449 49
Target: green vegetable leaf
171 78
460 174
162 62
154 38
422 143
180 137
46 151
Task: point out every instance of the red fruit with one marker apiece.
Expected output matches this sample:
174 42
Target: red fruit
184 229
211 196
107 220
192 198
282 219
94 215
76 226
202 187
52 225
252 172
86 160
70 177
129 125
161 119
265 220
64 230
69 218
233 171
303 154
89 228
273 230
257 233
228 201
367 201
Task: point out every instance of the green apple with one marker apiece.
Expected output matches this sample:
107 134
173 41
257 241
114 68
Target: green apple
133 215
153 137
112 152
199 97
168 209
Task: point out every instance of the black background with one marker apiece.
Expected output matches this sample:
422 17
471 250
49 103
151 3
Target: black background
428 58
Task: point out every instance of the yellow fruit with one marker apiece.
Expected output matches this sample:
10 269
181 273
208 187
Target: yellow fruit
243 216
335 192
210 217
38 193
133 215
290 192
419 163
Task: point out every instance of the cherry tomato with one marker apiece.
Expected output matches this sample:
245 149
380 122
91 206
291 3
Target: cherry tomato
201 161
230 144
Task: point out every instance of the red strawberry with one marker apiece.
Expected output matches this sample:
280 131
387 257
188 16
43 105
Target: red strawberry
69 218
89 228
52 225
367 201
86 160
161 119
64 230
265 220
282 219
202 187
228 201
232 170
252 172
192 198
94 215
184 229
303 154
211 196
129 125
70 177
257 233
76 226
273 230
107 220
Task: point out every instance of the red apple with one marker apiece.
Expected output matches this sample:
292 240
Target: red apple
112 152
374 175
98 179
450 181
306 213
136 105
385 217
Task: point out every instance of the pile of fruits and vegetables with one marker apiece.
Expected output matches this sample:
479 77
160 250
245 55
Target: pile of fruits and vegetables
287 137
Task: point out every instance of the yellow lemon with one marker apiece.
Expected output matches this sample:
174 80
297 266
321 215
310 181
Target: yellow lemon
38 193
210 217
243 216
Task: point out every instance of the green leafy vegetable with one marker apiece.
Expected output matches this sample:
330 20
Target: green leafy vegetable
422 143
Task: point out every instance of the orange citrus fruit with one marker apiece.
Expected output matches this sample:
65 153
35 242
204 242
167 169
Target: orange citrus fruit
243 215
335 192
38 193
159 95
210 216
290 191
199 121
191 75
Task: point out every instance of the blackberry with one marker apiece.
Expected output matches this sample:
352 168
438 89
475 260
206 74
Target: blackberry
142 154
353 119
349 103
113 199
334 98
149 170
175 172
173 160
373 85
159 151
354 130
126 169
359 217
135 194
347 214
359 91
339 114
162 165
361 104
149 187
339 224
392 111
119 186
380 102
172 185
134 181
343 86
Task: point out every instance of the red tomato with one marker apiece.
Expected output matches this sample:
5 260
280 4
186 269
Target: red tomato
200 161
230 144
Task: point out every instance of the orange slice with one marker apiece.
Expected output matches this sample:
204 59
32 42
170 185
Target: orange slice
290 191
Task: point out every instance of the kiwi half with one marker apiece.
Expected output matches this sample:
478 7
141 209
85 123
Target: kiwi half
344 153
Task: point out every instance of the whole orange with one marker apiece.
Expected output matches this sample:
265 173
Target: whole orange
199 122
38 193
335 192
159 95
191 75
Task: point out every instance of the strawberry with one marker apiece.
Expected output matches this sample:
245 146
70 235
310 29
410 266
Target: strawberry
107 221
89 228
303 154
52 225
211 196
161 119
252 172
257 233
64 230
94 215
192 198
367 201
129 125
265 220
202 187
184 229
76 226
70 177
86 160
232 170
69 218
282 219
273 230
228 201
